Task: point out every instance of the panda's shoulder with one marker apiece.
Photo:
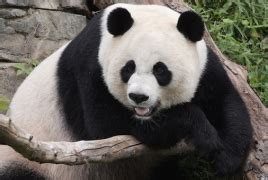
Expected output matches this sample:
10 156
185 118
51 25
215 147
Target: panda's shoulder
214 65
83 47
214 82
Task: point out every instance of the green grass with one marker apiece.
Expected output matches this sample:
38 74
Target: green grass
240 29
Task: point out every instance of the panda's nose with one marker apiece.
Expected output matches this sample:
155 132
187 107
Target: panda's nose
138 98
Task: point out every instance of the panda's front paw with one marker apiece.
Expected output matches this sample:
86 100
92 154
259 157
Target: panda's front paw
156 137
159 134
164 129
203 134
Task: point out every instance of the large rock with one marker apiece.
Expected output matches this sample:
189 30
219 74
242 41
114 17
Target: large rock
36 33
5 29
12 47
12 13
77 4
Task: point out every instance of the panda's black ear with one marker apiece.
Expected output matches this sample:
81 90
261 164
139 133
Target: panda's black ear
191 26
119 21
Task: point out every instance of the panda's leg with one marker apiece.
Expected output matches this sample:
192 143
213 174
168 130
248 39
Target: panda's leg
227 145
235 133
204 136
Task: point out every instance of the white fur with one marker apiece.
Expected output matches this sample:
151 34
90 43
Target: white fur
153 37
35 102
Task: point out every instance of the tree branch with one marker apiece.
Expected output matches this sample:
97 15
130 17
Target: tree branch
81 152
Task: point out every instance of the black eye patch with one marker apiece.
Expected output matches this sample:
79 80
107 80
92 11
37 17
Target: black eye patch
127 71
162 74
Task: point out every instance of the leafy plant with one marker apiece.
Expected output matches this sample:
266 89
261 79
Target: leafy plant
25 68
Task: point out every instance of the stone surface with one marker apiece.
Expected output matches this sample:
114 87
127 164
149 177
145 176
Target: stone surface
4 29
12 13
16 2
46 4
78 4
12 47
38 34
32 30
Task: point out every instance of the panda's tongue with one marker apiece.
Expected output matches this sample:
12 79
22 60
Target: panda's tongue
141 111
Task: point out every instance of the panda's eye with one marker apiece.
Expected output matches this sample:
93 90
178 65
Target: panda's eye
162 74
127 71
158 70
130 67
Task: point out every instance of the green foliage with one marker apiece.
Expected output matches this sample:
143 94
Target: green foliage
240 29
4 103
25 68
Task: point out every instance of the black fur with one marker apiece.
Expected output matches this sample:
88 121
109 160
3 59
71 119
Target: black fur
88 106
119 21
168 169
216 120
162 74
191 26
127 71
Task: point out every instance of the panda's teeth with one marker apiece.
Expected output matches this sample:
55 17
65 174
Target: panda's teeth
142 111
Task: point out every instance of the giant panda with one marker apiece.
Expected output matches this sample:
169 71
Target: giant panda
141 70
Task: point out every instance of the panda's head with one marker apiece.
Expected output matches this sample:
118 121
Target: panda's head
151 56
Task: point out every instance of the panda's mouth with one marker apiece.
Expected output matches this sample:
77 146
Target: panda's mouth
145 112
